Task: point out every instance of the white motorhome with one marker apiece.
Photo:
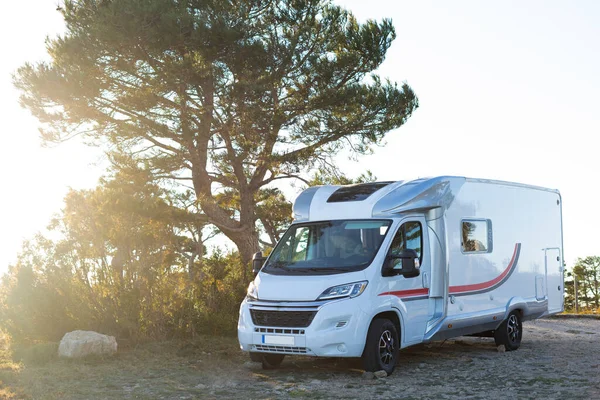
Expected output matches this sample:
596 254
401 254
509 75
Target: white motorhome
368 269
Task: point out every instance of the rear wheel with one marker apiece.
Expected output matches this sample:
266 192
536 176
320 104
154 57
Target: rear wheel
381 349
510 332
272 361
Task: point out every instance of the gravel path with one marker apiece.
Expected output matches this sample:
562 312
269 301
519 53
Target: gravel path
558 359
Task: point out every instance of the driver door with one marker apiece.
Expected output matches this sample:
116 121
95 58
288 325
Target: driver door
413 292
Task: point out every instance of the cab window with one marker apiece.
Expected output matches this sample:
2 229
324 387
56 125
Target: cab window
408 236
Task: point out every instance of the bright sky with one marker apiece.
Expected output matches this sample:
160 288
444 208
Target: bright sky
33 179
508 90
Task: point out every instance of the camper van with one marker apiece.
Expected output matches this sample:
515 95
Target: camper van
368 269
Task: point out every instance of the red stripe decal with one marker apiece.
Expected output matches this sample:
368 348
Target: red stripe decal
460 288
488 284
407 293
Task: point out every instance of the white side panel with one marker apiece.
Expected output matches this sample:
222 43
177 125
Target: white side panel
525 221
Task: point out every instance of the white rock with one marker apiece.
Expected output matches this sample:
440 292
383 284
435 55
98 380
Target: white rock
380 374
368 375
82 343
501 349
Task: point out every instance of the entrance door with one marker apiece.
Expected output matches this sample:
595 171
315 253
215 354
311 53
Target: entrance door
554 280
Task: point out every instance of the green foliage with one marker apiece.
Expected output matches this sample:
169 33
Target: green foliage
229 95
219 293
328 176
587 273
124 261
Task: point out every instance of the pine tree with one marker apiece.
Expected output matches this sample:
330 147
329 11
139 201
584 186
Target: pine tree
228 95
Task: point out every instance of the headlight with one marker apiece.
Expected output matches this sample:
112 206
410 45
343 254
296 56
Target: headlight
252 293
347 290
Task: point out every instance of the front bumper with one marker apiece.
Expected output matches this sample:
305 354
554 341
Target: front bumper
338 329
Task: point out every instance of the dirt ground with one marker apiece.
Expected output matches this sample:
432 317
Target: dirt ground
558 359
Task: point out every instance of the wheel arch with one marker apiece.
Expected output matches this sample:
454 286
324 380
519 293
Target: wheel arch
529 308
394 316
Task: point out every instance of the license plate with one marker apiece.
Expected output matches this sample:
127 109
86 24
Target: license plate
272 339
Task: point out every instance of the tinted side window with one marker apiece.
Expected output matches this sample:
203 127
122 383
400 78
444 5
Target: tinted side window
409 236
476 236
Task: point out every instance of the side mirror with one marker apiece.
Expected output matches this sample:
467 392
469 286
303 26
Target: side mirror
257 262
406 264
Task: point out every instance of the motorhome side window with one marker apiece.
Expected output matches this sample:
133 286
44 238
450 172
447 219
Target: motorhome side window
476 236
409 236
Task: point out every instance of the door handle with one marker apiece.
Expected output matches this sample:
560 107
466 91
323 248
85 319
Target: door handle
425 278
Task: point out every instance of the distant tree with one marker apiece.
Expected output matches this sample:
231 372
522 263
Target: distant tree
569 291
229 95
587 272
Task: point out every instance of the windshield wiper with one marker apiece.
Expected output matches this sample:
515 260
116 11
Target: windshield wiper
279 265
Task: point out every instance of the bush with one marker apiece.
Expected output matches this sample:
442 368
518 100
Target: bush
42 304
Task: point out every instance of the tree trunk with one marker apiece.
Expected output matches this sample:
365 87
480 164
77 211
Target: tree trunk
247 244
243 232
596 296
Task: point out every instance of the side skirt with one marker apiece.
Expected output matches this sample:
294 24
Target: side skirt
480 322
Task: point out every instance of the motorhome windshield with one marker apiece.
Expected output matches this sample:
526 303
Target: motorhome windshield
328 247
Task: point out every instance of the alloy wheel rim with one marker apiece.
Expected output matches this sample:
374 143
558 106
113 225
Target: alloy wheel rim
513 329
386 347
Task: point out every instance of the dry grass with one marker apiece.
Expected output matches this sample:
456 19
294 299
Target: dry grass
583 311
558 359
154 370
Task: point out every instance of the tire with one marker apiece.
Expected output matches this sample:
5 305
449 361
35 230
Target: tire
381 348
510 332
272 361
256 357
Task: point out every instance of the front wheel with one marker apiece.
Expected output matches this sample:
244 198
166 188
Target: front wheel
510 332
381 349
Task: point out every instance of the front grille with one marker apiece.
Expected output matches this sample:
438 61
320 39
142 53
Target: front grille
280 349
284 319
279 330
